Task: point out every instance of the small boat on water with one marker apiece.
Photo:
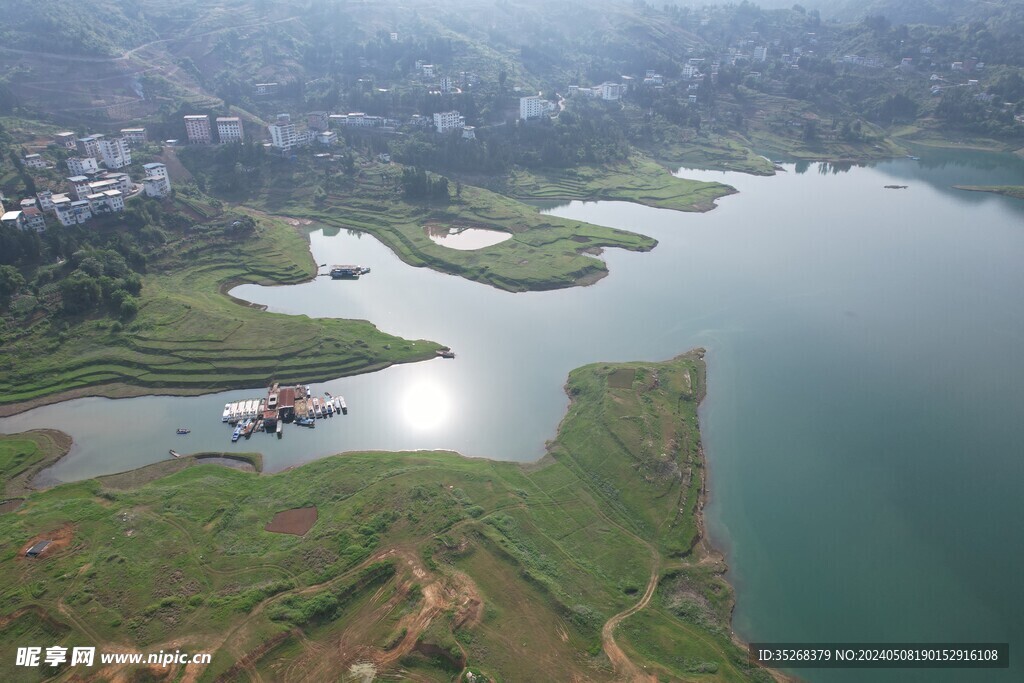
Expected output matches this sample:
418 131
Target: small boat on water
183 430
175 453
337 404
317 410
305 422
308 391
344 407
235 435
330 406
226 415
280 429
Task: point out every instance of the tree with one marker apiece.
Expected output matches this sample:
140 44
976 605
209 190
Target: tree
11 281
80 293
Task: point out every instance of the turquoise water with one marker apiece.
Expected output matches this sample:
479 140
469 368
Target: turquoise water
863 423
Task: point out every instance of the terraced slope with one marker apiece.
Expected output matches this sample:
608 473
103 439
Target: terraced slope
190 337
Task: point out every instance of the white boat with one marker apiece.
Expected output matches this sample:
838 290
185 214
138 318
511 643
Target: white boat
344 407
337 405
316 407
330 406
226 415
308 391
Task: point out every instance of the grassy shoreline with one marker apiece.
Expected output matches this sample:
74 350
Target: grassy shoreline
1014 191
190 338
416 559
639 180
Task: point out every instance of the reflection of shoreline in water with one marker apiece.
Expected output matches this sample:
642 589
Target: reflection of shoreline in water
464 239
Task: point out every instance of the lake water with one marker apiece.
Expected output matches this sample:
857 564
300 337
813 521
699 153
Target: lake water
865 416
465 239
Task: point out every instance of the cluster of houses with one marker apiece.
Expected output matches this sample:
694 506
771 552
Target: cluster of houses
92 191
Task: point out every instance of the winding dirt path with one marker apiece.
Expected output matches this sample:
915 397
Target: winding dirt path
625 668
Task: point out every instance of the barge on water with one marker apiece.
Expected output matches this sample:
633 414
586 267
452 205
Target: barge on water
347 272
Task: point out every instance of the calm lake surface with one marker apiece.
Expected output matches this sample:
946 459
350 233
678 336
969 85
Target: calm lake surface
864 425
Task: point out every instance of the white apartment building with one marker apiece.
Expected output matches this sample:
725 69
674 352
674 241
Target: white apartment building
448 120
197 127
73 213
157 186
327 138
45 199
115 152
34 161
134 136
155 170
66 139
229 129
532 107
89 146
283 135
613 91
82 165
108 201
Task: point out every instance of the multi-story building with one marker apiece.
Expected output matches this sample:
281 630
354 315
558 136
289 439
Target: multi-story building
328 138
197 127
13 219
448 120
73 213
28 203
264 89
134 136
115 152
532 107
122 181
157 186
82 165
469 133
34 219
34 161
283 135
447 85
89 146
155 169
108 201
67 140
79 185
229 129
317 121
45 199
613 91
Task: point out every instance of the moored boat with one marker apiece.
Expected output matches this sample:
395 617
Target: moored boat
183 430
280 429
330 406
175 453
317 410
226 415
344 406
235 435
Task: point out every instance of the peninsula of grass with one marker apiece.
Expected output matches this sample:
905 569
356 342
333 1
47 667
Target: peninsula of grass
638 179
544 252
188 337
1015 191
419 565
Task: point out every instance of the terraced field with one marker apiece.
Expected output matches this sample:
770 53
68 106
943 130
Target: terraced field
189 337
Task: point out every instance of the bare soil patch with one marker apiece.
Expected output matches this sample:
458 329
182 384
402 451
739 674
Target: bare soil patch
60 539
621 378
296 521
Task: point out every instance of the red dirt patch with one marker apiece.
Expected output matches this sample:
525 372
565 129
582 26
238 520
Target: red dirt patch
296 521
59 539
